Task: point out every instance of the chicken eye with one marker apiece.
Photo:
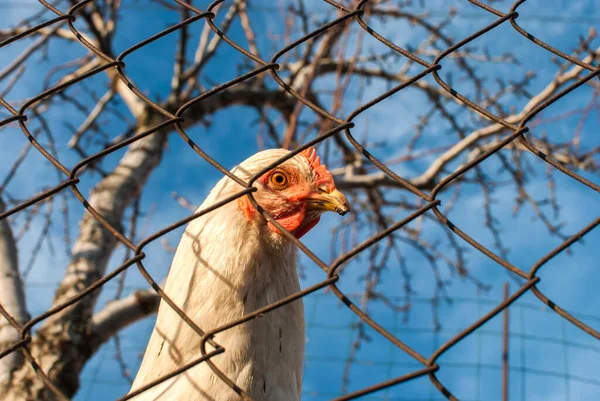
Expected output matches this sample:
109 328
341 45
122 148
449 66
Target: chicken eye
279 180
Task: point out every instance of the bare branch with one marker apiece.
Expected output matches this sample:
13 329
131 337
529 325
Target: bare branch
206 50
121 313
91 119
349 180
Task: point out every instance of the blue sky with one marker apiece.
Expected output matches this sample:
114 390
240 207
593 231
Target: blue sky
549 359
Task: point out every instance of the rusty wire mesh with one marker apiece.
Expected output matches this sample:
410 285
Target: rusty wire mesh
518 132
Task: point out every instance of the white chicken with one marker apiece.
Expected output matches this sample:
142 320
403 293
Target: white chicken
231 262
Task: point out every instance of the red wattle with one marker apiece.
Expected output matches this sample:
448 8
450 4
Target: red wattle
306 228
293 221
290 221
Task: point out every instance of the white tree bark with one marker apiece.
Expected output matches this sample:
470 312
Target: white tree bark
12 298
119 314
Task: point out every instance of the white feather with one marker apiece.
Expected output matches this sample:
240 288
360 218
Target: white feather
225 267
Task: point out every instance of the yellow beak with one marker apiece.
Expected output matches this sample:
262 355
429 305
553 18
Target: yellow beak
333 201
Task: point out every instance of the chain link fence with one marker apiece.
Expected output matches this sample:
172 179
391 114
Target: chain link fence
341 126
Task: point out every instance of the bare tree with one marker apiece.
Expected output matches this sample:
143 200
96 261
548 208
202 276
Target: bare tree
334 71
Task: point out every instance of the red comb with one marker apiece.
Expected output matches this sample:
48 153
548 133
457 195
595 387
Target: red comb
311 156
323 175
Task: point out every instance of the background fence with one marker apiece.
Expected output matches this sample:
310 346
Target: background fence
480 361
425 364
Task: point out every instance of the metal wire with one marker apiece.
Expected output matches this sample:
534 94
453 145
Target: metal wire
517 132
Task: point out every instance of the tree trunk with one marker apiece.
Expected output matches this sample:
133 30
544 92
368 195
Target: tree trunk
12 298
64 342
